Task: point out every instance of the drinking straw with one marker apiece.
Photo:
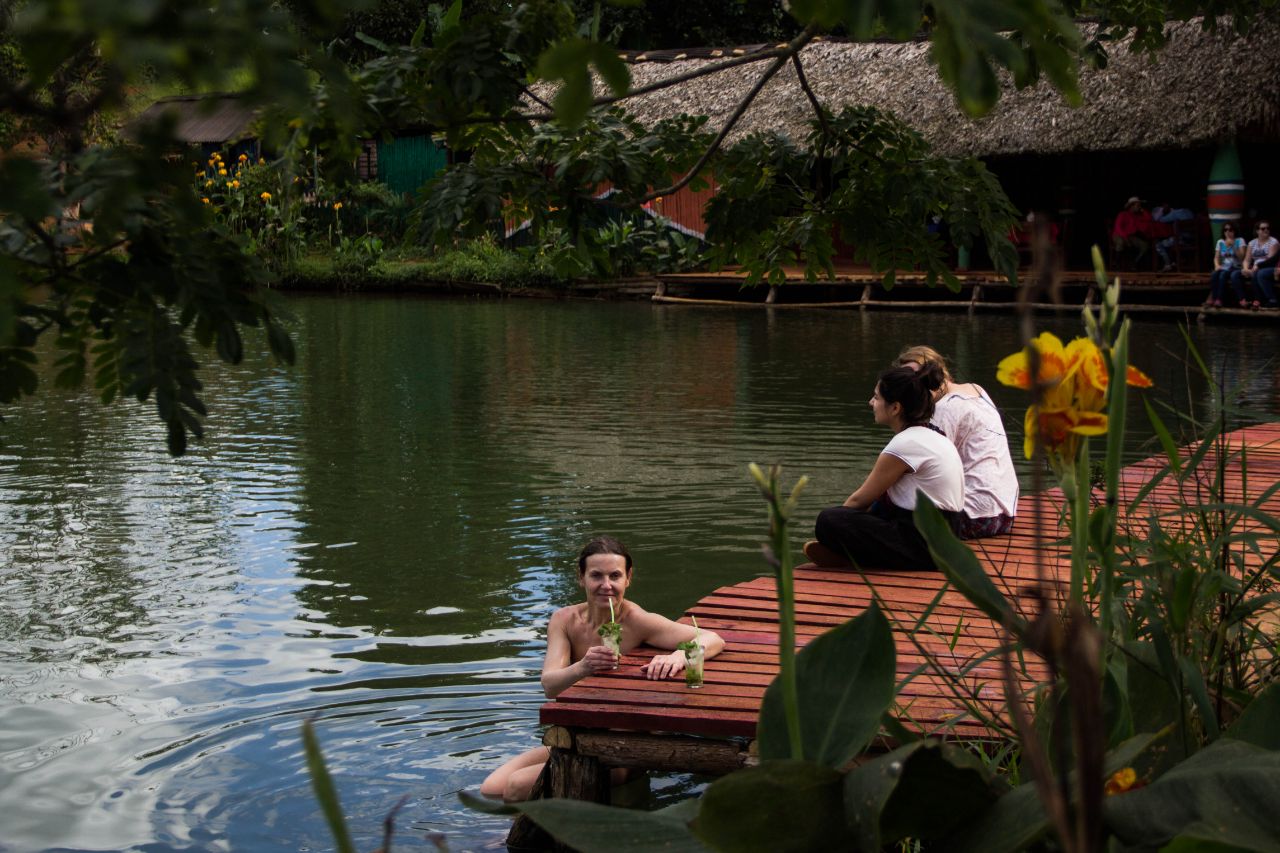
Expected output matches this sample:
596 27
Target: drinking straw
611 616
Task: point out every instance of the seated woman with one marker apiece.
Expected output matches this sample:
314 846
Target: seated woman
575 650
874 527
1227 255
967 415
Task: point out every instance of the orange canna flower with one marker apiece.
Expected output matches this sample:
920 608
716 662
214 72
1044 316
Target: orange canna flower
265 196
1124 779
337 205
1072 381
205 200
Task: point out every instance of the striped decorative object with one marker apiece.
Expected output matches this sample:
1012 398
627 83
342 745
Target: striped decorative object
1226 187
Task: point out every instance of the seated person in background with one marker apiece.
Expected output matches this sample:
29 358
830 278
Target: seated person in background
1259 267
967 415
1165 232
1023 235
874 527
1227 254
575 650
1132 231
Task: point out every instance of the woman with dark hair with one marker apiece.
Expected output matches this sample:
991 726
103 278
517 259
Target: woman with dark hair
576 649
874 528
1227 255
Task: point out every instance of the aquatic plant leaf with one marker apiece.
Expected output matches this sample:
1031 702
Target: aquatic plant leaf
922 790
590 827
845 681
1226 793
961 565
777 807
326 793
1259 724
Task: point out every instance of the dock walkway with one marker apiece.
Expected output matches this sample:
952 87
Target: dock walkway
622 719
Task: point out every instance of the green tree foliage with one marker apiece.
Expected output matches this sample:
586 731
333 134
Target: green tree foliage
105 246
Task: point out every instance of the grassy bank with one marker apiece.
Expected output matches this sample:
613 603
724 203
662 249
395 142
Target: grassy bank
475 267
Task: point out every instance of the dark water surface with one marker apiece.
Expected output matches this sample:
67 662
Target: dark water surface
378 535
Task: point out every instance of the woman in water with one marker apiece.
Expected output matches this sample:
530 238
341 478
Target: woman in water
575 649
874 526
967 415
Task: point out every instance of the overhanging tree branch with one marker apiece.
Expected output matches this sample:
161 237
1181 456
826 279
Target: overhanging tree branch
793 47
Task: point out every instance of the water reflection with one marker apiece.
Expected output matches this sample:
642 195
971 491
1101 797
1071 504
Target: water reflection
378 535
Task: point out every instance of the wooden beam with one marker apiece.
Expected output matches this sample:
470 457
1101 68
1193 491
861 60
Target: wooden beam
674 753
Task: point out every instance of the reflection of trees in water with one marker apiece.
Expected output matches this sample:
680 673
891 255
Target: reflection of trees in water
112 550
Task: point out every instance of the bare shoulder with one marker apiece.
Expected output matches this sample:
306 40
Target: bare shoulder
564 617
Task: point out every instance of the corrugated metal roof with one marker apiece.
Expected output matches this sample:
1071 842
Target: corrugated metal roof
202 118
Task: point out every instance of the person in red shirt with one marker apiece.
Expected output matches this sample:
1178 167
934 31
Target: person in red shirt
1132 231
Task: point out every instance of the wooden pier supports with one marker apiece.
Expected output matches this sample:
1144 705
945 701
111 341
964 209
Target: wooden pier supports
582 758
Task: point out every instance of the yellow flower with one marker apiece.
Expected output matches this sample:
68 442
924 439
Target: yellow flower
205 200
231 184
262 161
1072 384
209 182
1122 780
265 196
337 205
244 157
222 172
235 185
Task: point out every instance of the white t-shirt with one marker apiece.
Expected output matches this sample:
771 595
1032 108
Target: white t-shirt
935 469
976 428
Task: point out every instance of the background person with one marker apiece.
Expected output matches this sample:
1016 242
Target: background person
1165 232
574 650
1132 231
1227 254
968 416
874 527
1259 267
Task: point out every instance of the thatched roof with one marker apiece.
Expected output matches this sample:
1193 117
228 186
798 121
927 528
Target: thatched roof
201 118
1199 89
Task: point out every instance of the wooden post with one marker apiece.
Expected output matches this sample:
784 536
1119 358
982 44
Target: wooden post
566 775
866 295
661 289
773 295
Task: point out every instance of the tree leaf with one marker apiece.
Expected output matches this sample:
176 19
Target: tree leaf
777 807
845 680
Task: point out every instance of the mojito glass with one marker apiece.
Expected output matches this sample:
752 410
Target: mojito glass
611 638
693 667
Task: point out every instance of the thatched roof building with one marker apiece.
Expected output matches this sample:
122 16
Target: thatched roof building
202 119
1199 89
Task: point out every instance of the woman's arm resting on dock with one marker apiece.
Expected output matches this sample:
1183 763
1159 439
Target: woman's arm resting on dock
665 634
558 673
887 471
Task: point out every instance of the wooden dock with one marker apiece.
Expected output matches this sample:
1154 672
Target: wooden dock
622 719
1174 293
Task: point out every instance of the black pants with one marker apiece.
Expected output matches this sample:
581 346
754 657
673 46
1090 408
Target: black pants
884 537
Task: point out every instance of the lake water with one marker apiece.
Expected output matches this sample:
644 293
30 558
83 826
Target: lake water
376 537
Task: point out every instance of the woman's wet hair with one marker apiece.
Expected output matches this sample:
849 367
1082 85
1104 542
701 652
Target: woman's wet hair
913 390
602 545
923 355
